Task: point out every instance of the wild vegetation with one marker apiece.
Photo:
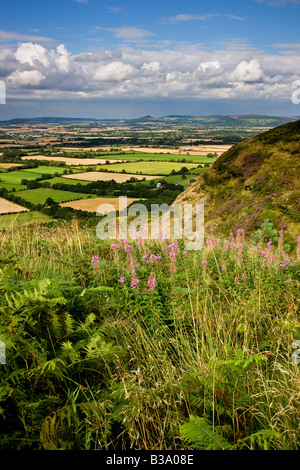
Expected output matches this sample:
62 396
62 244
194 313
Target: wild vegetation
137 344
255 180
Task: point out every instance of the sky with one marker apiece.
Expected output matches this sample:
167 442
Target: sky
128 58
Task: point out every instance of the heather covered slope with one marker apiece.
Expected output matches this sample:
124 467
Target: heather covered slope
255 180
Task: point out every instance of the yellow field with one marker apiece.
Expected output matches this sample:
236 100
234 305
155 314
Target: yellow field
188 149
191 150
103 176
5 166
9 207
72 161
92 205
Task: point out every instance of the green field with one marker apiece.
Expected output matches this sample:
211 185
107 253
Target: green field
147 168
58 179
23 219
40 195
10 186
15 177
162 157
48 170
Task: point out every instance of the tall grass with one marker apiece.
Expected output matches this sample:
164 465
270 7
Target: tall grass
141 345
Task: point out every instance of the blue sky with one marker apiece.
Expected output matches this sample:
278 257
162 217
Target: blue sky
92 58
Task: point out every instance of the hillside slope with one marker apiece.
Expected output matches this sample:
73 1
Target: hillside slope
256 179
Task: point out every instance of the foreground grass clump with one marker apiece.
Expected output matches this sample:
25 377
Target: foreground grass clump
142 345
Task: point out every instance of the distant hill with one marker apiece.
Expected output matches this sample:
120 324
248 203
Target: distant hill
46 120
247 121
256 179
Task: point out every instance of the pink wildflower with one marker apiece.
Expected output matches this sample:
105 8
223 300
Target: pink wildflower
151 282
134 282
223 268
122 279
115 246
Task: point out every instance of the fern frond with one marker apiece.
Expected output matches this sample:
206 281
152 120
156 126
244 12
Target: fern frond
202 436
57 432
260 440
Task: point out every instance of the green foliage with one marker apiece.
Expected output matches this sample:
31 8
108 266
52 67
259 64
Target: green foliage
195 355
203 437
266 232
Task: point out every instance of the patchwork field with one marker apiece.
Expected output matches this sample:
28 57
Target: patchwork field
192 150
91 205
40 195
15 177
166 157
69 160
46 170
149 168
103 176
58 179
7 206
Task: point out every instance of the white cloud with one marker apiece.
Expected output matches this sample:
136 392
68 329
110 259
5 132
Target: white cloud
247 72
214 65
153 66
115 72
235 71
63 59
27 77
32 54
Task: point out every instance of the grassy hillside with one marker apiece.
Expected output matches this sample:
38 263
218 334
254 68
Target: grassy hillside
255 180
143 345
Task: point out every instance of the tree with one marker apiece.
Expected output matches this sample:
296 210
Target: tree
50 202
